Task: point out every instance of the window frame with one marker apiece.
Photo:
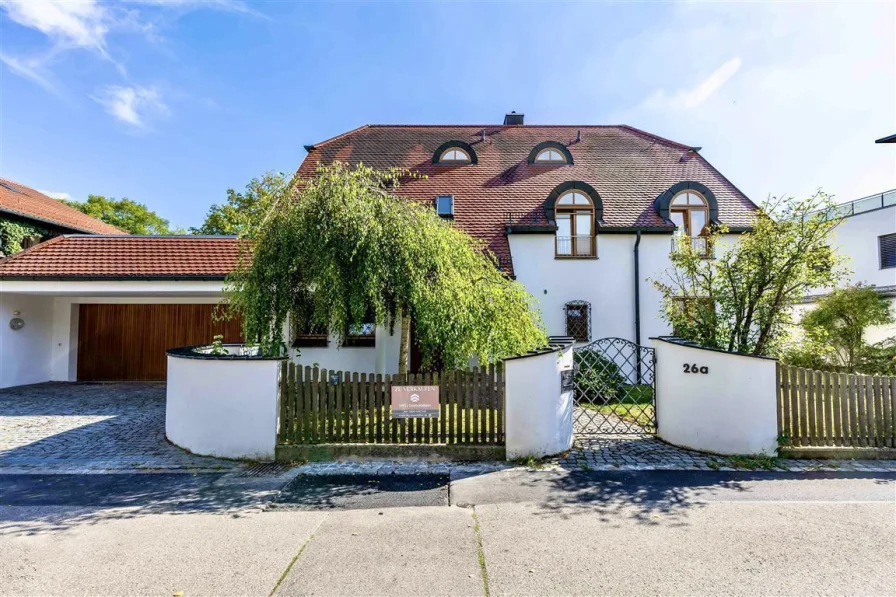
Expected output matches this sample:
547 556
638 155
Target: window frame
891 237
443 160
686 210
586 307
351 340
309 338
562 159
572 211
450 214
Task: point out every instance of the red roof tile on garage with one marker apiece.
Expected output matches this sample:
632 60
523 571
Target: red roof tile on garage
89 257
629 169
19 200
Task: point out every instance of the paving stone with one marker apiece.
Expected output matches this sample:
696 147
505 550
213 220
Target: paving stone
65 427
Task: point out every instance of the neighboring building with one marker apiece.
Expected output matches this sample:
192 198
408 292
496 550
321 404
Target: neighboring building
46 216
582 216
867 236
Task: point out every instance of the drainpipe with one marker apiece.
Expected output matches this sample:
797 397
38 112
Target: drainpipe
637 291
638 305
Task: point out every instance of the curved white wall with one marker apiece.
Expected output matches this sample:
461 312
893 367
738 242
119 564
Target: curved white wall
730 409
225 408
537 415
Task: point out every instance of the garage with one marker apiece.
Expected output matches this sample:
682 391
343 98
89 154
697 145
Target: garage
127 342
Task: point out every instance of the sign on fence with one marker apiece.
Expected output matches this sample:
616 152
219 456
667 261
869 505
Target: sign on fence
410 402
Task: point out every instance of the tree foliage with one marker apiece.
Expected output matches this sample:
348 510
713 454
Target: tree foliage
123 213
340 250
834 332
13 232
741 300
237 214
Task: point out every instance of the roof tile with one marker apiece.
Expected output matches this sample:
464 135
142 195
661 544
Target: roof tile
26 202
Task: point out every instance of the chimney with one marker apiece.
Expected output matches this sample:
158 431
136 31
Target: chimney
513 118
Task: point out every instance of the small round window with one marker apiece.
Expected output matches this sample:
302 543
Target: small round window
454 155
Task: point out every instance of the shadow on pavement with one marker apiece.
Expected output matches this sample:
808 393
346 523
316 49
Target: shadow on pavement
317 492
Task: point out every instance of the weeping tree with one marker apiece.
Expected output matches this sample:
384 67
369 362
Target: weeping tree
741 301
340 250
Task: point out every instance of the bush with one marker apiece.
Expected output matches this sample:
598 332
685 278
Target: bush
598 379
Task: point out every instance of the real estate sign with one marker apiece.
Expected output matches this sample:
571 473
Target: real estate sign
415 401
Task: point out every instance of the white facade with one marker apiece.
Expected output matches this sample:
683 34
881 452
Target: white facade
716 401
608 282
857 238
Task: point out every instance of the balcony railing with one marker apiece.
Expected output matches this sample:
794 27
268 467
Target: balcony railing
700 245
872 202
576 246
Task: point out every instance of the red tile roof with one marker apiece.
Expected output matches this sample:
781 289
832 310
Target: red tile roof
17 199
629 169
125 256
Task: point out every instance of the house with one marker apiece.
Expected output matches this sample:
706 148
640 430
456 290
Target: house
867 236
582 216
46 217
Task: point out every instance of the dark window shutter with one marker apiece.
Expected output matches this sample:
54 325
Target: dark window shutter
887 244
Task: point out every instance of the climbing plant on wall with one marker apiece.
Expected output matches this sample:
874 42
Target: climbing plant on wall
12 233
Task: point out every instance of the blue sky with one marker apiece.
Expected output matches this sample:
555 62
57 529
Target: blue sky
171 103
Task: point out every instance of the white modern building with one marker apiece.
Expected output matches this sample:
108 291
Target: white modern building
583 216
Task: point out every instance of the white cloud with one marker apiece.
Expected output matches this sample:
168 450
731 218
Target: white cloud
804 108
31 70
691 98
71 24
56 195
131 105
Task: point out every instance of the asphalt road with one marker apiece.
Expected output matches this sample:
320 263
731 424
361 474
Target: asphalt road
522 533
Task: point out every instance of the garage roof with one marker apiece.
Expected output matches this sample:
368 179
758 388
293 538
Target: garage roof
128 257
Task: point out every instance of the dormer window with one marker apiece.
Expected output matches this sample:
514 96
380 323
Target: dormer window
454 155
575 225
689 211
550 156
445 206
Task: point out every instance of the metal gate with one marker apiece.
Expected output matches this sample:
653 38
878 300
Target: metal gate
614 388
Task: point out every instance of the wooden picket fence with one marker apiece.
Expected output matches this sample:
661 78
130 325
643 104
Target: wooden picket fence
821 408
318 406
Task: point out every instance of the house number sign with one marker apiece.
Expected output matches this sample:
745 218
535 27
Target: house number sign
695 368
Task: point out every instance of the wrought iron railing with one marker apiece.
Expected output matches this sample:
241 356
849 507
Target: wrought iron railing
576 246
698 244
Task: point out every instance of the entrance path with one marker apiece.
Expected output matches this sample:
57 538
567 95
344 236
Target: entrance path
90 427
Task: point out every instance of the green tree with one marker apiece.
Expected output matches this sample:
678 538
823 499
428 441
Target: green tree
123 213
14 232
838 324
741 300
340 250
241 210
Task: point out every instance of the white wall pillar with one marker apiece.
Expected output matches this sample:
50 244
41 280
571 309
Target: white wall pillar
538 411
715 401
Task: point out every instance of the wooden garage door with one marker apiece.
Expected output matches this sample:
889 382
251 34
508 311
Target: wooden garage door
128 342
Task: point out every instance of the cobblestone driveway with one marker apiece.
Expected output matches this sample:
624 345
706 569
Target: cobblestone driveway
61 427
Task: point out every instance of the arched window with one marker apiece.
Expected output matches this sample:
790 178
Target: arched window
550 156
575 225
689 211
454 155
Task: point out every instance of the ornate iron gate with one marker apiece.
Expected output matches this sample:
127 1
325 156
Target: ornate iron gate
615 388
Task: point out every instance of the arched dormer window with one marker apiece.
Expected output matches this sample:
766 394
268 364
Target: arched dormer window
692 208
454 153
550 152
575 225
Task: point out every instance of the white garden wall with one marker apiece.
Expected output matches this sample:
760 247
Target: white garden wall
715 401
225 407
538 415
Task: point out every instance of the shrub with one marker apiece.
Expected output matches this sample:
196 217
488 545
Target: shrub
598 379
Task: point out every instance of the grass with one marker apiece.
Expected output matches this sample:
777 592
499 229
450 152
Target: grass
754 462
481 554
531 462
635 406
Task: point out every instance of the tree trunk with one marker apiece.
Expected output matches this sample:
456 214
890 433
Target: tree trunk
405 347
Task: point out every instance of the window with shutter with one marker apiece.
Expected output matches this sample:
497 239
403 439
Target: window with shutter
887 244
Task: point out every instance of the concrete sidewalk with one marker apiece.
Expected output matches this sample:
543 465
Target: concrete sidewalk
518 533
